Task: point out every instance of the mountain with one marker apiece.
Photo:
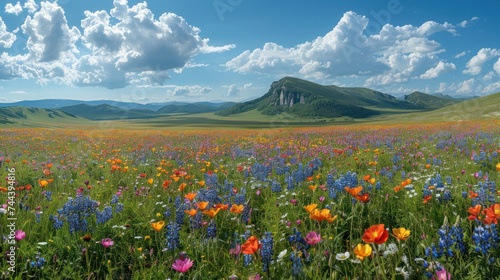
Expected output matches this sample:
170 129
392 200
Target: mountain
307 99
36 117
430 101
107 112
194 108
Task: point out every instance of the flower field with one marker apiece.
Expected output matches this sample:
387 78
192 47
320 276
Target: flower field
345 202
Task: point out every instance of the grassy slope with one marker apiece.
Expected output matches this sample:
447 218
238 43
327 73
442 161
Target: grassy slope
33 117
475 109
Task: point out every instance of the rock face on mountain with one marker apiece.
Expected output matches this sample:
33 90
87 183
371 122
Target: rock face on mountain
307 99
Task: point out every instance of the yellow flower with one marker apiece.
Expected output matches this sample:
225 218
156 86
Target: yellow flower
158 225
498 166
401 233
309 208
150 181
362 251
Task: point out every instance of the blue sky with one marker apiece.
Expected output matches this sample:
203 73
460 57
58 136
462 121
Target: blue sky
231 50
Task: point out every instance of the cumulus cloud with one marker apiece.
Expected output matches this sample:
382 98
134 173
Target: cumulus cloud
6 38
13 9
189 90
475 64
395 54
139 44
467 86
233 91
49 36
31 6
491 88
439 69
496 66
121 46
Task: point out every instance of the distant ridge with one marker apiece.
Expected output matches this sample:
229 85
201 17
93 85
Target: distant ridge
307 99
430 101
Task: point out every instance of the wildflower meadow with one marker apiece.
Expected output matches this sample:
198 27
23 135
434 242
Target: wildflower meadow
415 201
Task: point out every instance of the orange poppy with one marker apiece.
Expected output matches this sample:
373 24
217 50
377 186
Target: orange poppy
158 225
221 206
165 184
251 246
237 209
354 191
202 205
376 234
473 194
474 212
211 212
365 198
182 186
322 215
43 183
397 188
427 198
492 214
190 196
191 212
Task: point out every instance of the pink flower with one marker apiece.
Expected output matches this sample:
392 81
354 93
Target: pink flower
19 235
107 242
313 238
182 265
236 250
321 198
442 274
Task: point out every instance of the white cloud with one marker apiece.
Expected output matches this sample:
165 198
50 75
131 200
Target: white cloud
496 66
467 86
475 64
189 90
140 45
249 85
233 91
459 54
395 54
13 9
492 88
466 23
439 69
49 36
31 6
6 38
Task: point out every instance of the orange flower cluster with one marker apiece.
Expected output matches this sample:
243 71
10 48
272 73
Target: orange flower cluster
402 185
491 215
319 215
355 192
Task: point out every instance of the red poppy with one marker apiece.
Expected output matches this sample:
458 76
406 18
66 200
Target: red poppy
251 246
376 234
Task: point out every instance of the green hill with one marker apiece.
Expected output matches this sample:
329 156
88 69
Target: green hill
307 99
107 112
486 107
36 117
429 101
194 108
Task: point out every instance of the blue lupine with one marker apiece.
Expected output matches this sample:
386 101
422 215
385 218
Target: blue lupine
172 236
267 250
275 186
296 264
212 230
104 216
119 207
